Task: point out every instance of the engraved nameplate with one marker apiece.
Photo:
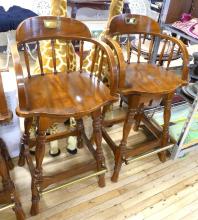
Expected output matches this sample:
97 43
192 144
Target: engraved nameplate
130 20
51 24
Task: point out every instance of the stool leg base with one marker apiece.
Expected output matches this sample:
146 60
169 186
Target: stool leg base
101 181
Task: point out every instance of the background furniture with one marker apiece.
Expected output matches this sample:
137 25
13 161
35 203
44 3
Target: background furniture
40 7
9 21
95 4
55 97
173 9
171 12
183 126
143 84
8 196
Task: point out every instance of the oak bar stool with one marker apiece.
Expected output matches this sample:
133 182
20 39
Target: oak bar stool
8 196
143 82
55 97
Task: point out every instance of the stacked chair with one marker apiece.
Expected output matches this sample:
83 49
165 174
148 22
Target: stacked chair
8 196
57 96
143 84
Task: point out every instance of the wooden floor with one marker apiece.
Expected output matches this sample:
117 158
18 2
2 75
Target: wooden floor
147 189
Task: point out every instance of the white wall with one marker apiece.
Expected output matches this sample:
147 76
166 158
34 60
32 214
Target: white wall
41 7
38 6
23 3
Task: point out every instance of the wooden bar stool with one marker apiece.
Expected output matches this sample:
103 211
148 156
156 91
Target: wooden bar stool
8 196
142 82
57 96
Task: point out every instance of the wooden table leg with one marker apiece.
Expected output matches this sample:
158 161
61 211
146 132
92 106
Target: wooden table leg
74 9
126 8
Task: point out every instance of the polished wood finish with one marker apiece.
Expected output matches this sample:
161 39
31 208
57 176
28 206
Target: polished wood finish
95 4
146 188
139 82
57 96
140 25
143 83
8 195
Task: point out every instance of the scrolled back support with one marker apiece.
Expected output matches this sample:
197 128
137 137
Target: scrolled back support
118 56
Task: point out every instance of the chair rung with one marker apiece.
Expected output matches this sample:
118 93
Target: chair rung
74 181
149 153
57 136
3 207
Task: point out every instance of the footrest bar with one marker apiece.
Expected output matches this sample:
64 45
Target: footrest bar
149 153
73 182
4 207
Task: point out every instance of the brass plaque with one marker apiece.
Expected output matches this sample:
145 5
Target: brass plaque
130 20
51 23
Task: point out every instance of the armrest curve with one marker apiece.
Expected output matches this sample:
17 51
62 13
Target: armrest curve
114 72
119 55
19 72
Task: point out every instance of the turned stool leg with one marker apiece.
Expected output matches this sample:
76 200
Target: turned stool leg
24 140
80 128
165 134
37 177
6 155
119 154
138 117
120 150
8 186
20 215
97 132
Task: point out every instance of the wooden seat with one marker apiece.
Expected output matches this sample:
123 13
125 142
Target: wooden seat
8 196
143 82
160 79
68 99
56 96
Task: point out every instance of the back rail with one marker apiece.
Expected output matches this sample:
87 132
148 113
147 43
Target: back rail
170 56
26 57
160 62
81 54
139 47
39 57
53 42
95 53
151 44
100 68
128 49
